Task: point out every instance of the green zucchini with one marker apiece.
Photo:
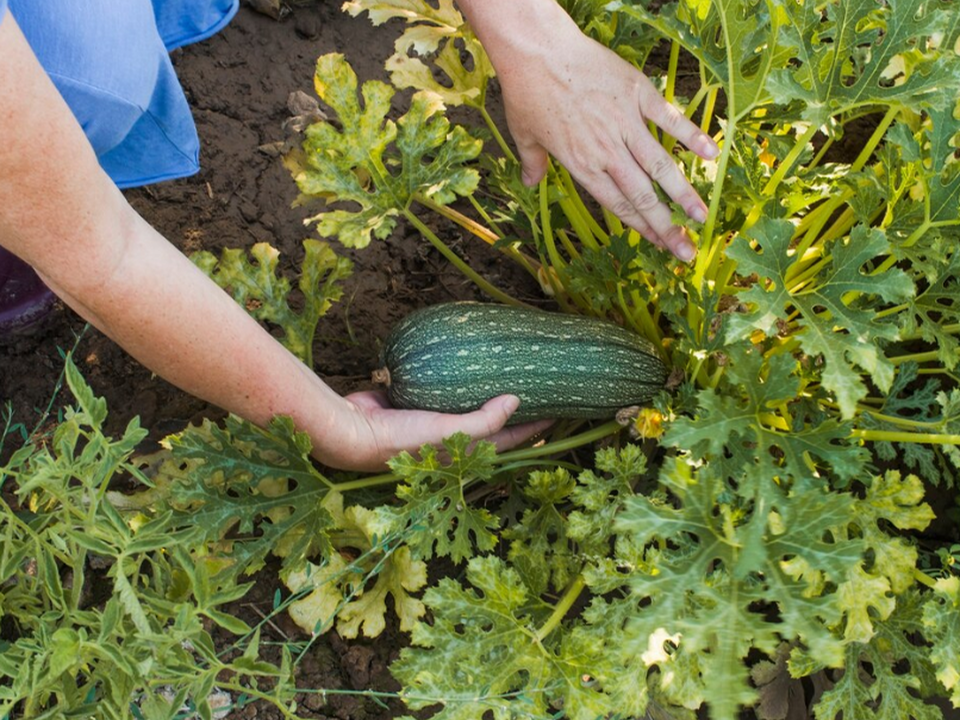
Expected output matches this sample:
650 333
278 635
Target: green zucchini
453 357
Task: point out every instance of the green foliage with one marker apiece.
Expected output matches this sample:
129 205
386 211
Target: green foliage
258 288
441 521
776 531
811 340
64 655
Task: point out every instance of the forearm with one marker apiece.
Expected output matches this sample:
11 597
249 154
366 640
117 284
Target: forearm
168 315
62 214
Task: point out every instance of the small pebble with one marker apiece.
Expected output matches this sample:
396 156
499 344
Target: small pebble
307 25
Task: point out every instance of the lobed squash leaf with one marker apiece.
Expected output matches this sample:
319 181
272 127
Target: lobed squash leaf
374 165
831 325
264 293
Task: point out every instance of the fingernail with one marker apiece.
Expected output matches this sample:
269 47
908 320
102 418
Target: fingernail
710 150
686 252
698 213
511 404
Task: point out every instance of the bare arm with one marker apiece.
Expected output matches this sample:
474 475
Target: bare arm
568 95
62 214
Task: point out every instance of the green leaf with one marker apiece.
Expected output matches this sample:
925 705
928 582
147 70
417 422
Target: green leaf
264 293
608 273
830 325
601 495
241 478
539 547
941 621
717 558
481 655
887 678
732 423
64 651
375 163
854 53
739 42
434 508
911 406
938 305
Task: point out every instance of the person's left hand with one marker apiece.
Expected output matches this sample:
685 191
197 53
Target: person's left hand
372 431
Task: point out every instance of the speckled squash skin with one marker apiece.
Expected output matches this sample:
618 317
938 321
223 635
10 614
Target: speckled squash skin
453 357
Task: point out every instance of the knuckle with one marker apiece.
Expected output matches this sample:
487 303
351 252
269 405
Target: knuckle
624 208
644 200
660 166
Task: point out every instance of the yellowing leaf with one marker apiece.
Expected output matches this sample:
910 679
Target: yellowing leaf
430 43
377 165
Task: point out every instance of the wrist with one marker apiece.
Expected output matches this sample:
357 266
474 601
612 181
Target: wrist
495 24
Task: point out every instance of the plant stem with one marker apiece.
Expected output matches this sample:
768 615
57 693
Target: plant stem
798 147
575 441
906 437
571 191
478 230
928 356
365 482
924 579
496 133
714 244
458 262
561 609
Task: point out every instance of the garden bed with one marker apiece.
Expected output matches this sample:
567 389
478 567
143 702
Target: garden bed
765 509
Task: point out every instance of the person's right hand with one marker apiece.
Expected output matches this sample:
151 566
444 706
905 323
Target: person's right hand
568 95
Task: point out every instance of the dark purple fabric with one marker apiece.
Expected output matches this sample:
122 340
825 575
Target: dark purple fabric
24 299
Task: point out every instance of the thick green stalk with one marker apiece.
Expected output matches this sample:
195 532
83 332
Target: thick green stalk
787 164
921 357
917 334
568 187
670 91
561 609
906 437
561 446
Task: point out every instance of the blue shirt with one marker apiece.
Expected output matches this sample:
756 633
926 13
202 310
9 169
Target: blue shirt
110 61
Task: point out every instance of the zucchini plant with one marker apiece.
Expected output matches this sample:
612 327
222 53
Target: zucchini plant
775 530
759 538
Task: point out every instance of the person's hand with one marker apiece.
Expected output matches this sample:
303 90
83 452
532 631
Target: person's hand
373 431
568 95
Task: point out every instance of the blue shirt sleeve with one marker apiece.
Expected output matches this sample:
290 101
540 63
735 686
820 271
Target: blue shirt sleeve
3 8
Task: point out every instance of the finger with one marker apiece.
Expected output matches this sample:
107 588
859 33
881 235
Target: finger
510 437
534 161
669 119
663 169
638 191
607 191
490 418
